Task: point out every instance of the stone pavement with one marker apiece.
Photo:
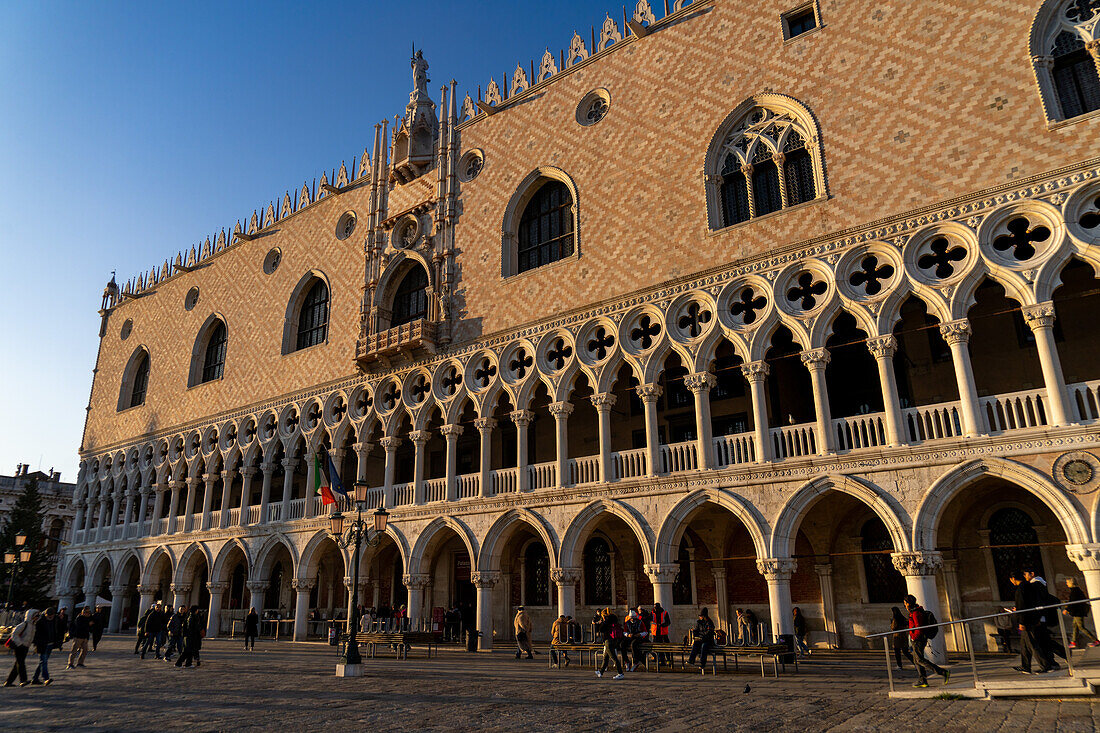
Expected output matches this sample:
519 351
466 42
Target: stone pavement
292 687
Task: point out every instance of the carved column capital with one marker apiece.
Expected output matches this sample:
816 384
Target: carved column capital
485 424
700 382
560 410
522 418
1040 315
776 568
816 359
882 347
449 431
146 590
420 581
289 464
756 371
420 437
303 585
1085 557
719 574
565 576
484 579
248 471
180 588
217 586
912 564
389 443
746 170
1046 62
118 590
603 402
956 332
256 587
649 393
779 159
662 572
1093 47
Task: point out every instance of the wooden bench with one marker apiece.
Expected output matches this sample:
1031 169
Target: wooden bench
398 641
656 652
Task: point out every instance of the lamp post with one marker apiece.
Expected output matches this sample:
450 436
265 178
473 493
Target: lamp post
15 558
356 534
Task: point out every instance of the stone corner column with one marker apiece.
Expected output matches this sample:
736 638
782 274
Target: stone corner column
566 579
451 434
1040 317
485 427
756 374
919 570
484 581
416 583
603 403
213 615
522 420
816 360
1087 560
883 349
302 587
700 384
777 572
649 394
561 412
957 335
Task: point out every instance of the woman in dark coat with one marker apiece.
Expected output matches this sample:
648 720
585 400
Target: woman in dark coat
192 639
900 641
251 629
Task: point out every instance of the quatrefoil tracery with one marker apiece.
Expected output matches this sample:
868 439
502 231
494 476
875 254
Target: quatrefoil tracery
941 258
1091 219
420 388
390 397
871 275
559 354
806 291
601 343
747 304
694 319
646 332
1020 238
485 373
521 363
452 378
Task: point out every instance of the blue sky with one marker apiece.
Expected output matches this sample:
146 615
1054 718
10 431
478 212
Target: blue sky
129 131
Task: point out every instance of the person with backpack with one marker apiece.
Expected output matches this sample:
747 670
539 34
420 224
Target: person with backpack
702 639
1040 597
918 640
659 628
635 633
1077 612
20 643
611 632
898 622
176 628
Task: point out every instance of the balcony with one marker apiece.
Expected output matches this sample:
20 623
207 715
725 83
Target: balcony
408 340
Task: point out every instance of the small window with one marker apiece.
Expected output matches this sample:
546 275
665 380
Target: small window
799 22
313 319
546 227
213 362
410 301
1075 76
141 382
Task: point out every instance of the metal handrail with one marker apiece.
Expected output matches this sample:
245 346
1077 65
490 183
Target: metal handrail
979 618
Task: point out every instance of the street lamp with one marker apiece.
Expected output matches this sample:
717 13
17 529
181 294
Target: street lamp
357 533
10 559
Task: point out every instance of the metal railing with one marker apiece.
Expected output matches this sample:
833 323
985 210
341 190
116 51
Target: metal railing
887 636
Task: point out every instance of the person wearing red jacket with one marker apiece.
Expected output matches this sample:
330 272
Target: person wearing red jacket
918 639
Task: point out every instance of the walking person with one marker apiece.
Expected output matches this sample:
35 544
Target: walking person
702 639
148 629
919 638
81 632
22 636
659 629
43 645
251 629
635 633
559 634
1048 617
1077 612
61 629
176 630
612 634
900 641
800 632
192 639
99 626
523 628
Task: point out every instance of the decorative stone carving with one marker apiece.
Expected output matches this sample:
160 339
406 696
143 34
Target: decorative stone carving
912 564
776 568
609 33
519 81
419 581
577 50
1085 557
700 382
547 67
303 585
956 332
756 371
420 437
662 573
484 579
217 586
390 443
882 347
603 402
1040 315
816 359
560 409
565 576
448 430
649 393
485 424
522 418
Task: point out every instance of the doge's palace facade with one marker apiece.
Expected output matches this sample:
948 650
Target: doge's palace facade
744 306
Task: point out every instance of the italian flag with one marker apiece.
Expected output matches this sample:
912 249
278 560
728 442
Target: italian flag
321 482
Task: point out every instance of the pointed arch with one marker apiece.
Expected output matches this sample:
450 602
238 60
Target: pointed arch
319 310
501 529
135 379
208 355
161 551
578 531
120 566
560 192
946 487
219 571
188 560
888 509
1065 72
307 566
675 522
418 560
262 567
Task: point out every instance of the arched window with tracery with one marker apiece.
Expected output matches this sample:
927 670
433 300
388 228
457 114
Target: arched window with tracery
213 362
597 572
410 300
141 382
764 158
546 227
1065 51
884 582
313 317
135 380
1014 543
536 575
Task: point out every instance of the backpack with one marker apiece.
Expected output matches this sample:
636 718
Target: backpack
720 637
930 618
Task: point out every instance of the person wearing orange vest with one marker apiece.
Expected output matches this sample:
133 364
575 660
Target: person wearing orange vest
659 628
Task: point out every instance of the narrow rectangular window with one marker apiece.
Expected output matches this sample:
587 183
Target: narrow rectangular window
800 21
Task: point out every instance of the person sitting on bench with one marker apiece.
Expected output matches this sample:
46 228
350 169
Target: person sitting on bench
702 639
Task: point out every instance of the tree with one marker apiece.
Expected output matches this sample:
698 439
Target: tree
32 578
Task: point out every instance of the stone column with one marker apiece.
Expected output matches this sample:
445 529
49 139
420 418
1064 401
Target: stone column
143 511
957 336
700 384
362 452
302 587
450 434
828 603
207 498
213 615
777 572
311 474
566 580
78 520
174 506
114 621
721 597
1087 560
246 495
67 602
179 594
522 419
603 404
289 464
265 490
416 583
146 594
227 485
1040 317
630 577
158 508
919 569
189 507
662 576
954 599
390 445
649 394
484 582
256 590
128 514
116 501
420 439
883 349
561 412
816 360
90 596
485 427
756 373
